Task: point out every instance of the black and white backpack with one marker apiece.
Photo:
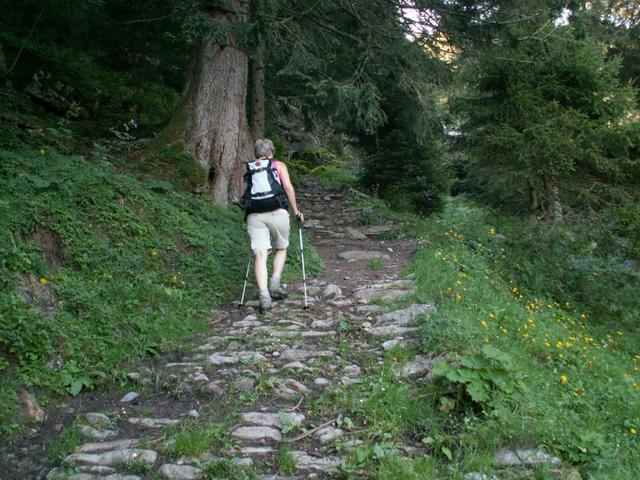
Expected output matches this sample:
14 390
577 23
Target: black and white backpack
263 191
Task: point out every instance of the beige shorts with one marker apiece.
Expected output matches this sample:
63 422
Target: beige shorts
263 228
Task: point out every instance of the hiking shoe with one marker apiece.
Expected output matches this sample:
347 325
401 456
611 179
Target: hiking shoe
278 293
265 304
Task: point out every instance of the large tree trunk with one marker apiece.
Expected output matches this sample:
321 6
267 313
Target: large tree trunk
258 94
212 116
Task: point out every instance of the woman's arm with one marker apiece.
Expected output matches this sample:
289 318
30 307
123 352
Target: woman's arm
289 190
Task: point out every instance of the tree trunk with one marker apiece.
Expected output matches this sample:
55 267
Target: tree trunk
211 119
553 211
533 198
258 94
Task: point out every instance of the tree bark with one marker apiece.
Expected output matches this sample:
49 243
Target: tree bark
553 211
211 119
258 93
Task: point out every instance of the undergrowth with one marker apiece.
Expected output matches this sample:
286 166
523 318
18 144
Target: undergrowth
544 371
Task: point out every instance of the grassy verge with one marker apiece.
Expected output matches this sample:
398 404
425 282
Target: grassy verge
529 371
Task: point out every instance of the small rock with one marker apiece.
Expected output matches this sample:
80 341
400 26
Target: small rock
389 330
509 458
407 315
106 446
97 418
96 434
421 365
356 255
354 234
273 419
193 414
153 422
293 354
321 382
244 384
296 366
32 408
322 323
179 472
331 291
328 434
257 433
306 462
129 397
256 451
115 457
353 370
242 462
214 387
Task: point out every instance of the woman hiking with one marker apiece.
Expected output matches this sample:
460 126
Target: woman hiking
267 195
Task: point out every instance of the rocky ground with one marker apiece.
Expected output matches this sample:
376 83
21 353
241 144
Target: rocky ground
244 395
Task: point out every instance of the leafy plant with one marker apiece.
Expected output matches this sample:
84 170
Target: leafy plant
482 374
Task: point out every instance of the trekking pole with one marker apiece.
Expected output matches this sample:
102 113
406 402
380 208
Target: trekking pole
246 278
304 274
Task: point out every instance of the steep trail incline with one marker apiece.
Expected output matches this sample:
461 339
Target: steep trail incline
249 392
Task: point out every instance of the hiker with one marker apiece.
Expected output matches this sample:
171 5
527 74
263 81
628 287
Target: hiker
267 194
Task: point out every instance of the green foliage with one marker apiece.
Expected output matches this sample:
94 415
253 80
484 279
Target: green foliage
485 375
225 469
286 462
191 438
545 111
545 373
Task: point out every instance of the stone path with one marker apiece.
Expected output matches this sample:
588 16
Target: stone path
255 376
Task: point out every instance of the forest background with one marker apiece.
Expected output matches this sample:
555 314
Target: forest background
122 122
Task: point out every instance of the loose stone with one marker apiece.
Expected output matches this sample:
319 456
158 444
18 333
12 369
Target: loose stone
256 451
419 366
129 397
257 433
215 387
331 291
354 234
363 255
328 434
306 462
292 354
179 472
115 457
95 434
406 315
322 323
273 419
244 384
352 370
152 422
106 446
32 408
390 330
508 458
97 418
321 382
296 366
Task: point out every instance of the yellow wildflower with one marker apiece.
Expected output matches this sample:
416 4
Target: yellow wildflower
564 379
154 253
42 151
633 431
484 324
43 281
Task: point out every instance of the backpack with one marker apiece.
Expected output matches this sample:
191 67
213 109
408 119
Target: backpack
262 189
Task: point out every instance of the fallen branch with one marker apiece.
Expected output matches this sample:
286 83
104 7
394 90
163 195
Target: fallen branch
306 434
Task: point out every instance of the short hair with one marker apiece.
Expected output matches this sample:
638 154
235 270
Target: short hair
264 147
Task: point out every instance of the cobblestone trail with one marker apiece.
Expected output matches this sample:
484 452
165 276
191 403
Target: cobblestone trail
258 374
